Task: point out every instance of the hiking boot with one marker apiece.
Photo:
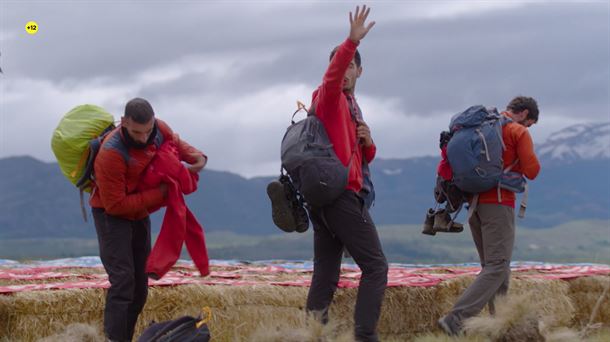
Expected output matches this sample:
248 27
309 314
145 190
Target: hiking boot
429 223
302 220
444 223
456 227
441 220
281 211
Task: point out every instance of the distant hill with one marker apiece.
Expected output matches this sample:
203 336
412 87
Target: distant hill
37 202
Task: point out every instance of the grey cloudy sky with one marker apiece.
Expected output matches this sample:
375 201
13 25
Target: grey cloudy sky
226 75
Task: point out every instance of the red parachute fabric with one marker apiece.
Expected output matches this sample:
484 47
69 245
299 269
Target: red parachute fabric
179 224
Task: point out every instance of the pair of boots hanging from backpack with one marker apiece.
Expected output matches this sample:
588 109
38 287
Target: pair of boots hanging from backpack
439 219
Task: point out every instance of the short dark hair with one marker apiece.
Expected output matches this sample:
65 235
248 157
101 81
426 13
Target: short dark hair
521 103
356 56
139 110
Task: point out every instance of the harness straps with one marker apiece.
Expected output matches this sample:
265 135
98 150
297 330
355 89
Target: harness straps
507 170
484 144
523 205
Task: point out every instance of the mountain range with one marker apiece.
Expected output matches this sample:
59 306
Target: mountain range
36 201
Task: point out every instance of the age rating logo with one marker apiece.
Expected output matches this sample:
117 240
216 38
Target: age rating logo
31 27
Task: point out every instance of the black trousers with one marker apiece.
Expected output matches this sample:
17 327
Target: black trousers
124 247
347 224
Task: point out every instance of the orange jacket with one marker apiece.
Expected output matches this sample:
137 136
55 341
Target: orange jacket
117 171
519 145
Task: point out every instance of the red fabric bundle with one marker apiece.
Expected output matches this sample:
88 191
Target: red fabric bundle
179 223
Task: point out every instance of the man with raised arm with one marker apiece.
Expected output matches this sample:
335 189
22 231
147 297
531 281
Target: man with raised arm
346 223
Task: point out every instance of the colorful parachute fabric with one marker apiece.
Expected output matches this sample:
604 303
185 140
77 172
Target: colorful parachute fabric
87 272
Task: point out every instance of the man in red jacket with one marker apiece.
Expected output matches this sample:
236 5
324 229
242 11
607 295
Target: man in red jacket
493 219
346 223
120 211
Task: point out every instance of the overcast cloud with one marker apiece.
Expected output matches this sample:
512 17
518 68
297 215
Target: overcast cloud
226 75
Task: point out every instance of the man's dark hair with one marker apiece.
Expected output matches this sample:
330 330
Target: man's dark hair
139 110
521 103
356 56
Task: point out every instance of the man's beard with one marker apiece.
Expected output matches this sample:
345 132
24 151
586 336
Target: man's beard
131 143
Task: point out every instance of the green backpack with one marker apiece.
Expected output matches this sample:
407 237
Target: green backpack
76 141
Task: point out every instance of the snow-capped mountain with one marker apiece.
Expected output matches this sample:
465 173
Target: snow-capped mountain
579 142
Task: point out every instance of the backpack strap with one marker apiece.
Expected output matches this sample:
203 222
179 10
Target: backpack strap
85 180
355 114
93 149
507 170
523 204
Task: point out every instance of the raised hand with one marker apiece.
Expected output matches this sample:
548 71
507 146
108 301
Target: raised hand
358 29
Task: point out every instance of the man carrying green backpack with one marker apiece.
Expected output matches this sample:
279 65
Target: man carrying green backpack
118 157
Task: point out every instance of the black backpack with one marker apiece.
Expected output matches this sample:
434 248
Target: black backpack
183 329
310 159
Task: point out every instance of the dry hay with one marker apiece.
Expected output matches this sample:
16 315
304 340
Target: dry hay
78 332
585 292
517 318
273 313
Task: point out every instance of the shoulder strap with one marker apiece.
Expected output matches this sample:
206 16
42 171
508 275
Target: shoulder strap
85 180
354 111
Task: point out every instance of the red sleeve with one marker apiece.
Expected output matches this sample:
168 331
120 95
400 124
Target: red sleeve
110 171
331 89
185 150
369 153
528 162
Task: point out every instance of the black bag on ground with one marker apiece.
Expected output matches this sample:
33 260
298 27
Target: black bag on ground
183 329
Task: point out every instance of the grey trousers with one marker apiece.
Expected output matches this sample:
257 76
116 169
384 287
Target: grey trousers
493 232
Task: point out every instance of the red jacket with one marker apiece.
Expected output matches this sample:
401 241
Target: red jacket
332 107
117 171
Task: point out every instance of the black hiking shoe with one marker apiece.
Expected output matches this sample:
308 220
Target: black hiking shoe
429 223
288 214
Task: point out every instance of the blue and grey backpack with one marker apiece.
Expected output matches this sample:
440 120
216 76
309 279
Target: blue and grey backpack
475 153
